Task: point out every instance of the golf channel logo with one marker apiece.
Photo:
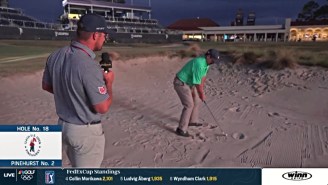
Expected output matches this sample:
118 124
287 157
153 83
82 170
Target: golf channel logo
49 177
32 145
297 176
26 175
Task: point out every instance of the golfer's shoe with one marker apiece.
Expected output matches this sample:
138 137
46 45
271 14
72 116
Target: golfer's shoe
195 124
182 133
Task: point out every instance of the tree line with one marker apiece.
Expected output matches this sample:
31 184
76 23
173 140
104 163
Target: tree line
313 11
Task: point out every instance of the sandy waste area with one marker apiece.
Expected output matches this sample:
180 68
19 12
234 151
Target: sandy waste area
272 118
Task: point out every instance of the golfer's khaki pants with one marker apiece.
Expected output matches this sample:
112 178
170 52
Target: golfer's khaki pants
190 111
83 144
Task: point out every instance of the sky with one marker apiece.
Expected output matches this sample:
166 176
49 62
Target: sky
268 12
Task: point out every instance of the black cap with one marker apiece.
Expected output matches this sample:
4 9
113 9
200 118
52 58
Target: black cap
214 54
92 23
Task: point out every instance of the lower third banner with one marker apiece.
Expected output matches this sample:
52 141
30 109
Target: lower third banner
129 176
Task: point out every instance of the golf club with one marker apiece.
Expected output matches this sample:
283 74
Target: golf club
222 132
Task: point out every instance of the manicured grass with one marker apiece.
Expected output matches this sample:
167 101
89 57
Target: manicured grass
22 67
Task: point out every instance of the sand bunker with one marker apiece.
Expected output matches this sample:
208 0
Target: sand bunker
272 118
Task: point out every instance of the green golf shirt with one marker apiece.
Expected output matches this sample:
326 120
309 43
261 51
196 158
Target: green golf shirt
193 72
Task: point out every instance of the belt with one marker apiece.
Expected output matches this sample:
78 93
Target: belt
177 78
182 83
90 123
94 122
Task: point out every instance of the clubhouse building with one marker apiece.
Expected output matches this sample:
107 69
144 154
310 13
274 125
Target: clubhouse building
207 30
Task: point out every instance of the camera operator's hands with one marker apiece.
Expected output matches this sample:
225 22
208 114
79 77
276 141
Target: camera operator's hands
109 77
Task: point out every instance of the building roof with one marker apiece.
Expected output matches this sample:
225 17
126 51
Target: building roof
309 23
192 24
238 29
104 4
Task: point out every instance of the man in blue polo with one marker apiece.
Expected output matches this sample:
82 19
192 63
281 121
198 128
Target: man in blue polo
81 91
188 83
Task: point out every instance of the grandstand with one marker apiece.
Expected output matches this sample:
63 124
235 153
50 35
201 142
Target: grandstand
128 23
15 17
120 17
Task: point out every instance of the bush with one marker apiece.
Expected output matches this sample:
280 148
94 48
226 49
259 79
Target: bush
246 58
279 59
193 50
273 59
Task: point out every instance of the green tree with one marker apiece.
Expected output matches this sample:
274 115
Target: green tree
308 11
322 12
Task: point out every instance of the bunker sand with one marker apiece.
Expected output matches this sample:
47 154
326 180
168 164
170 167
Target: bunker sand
272 118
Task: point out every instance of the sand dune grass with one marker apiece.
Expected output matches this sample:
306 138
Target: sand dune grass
269 55
273 59
277 55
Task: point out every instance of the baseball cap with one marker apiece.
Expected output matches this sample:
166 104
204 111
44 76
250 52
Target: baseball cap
214 54
92 23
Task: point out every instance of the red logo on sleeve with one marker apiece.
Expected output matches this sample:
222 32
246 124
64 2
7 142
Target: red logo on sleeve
102 90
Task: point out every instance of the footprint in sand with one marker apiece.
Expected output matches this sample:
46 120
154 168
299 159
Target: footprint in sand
257 106
208 126
201 136
238 136
234 109
258 95
240 82
213 126
138 117
201 155
244 98
204 124
233 93
220 137
271 114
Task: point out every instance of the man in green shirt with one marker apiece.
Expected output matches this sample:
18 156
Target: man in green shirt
188 83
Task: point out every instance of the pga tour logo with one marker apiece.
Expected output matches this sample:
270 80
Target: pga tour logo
297 176
49 177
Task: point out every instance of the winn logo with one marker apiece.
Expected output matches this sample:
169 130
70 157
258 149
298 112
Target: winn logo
297 176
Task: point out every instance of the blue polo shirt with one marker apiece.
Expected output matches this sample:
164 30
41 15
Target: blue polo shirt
77 82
